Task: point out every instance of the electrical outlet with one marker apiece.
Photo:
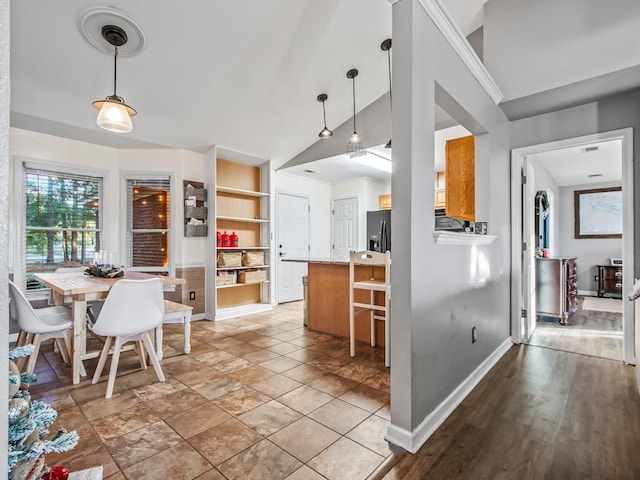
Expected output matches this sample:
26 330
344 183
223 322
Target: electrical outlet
474 334
192 295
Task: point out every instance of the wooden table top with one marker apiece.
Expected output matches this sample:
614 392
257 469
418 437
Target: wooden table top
76 283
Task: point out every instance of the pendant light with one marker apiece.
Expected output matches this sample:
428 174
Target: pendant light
386 47
114 114
354 147
325 132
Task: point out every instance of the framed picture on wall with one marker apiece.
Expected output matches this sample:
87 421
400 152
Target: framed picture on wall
598 213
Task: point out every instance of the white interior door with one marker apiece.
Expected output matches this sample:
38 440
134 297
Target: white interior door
345 227
528 253
293 242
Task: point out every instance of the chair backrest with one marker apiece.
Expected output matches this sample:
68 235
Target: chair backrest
22 311
131 307
374 259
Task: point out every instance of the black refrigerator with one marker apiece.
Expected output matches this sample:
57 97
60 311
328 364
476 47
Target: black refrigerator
379 230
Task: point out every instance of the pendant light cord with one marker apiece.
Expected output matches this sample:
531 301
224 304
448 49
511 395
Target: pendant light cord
324 115
390 100
354 104
115 70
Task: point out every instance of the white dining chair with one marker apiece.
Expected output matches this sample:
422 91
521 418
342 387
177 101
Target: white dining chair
37 326
378 310
132 309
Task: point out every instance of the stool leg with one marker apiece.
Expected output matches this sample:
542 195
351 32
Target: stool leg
372 315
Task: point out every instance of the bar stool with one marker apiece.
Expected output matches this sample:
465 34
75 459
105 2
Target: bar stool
373 285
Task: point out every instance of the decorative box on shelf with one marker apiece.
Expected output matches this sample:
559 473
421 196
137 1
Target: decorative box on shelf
225 278
229 259
252 259
252 276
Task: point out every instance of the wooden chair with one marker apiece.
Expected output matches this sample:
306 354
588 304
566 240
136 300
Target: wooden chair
175 313
132 308
376 311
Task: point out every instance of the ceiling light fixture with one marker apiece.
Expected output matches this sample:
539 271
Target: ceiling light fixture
386 47
354 147
325 132
114 115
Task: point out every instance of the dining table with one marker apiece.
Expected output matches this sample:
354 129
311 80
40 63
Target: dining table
81 287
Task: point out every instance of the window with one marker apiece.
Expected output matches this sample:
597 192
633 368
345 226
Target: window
62 220
148 221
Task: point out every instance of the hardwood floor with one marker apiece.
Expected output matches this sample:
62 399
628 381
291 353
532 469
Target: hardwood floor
589 332
539 414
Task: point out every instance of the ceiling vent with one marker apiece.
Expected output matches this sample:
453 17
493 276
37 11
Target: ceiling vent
590 149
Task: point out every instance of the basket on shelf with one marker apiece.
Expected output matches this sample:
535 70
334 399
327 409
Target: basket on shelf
252 259
225 278
229 259
252 276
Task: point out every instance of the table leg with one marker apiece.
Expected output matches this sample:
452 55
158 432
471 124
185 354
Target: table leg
187 332
79 340
159 352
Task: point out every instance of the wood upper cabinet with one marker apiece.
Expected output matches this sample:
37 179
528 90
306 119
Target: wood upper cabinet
384 202
460 174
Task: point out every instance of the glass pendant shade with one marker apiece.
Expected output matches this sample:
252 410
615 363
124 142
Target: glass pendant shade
354 147
114 115
325 133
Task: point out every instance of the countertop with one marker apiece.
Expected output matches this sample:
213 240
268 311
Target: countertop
325 261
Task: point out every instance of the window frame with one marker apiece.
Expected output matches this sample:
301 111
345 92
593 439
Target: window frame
125 176
17 213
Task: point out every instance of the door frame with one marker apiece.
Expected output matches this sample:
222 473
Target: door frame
276 257
517 154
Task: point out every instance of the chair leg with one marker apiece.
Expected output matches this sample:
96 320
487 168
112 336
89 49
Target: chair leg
62 348
113 371
152 355
159 335
22 338
102 360
352 328
141 355
31 364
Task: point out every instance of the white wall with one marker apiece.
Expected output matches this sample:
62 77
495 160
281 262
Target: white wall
441 291
591 252
319 194
531 47
366 190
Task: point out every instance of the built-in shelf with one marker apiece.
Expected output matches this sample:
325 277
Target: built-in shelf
240 191
242 219
443 237
242 268
242 248
240 284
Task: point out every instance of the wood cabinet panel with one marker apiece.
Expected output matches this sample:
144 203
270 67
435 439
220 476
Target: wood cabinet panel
609 281
384 202
460 176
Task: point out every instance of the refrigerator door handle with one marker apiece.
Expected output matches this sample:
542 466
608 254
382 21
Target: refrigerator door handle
383 236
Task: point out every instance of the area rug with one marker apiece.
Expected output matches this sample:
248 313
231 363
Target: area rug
602 304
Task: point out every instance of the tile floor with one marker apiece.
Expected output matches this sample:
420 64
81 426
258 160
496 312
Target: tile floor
258 397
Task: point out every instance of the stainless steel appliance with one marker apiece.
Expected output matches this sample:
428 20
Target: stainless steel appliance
449 223
379 230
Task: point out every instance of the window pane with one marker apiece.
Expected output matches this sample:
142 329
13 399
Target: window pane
150 249
62 218
148 223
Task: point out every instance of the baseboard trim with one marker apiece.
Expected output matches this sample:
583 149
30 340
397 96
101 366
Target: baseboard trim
198 316
412 441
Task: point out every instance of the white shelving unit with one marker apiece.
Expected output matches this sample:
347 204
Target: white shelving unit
241 207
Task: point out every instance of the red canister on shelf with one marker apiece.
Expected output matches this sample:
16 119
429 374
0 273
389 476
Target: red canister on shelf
225 240
218 239
233 239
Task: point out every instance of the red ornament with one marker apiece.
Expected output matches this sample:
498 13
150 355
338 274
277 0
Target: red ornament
56 473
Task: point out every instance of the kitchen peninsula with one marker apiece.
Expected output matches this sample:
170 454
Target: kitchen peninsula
328 298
